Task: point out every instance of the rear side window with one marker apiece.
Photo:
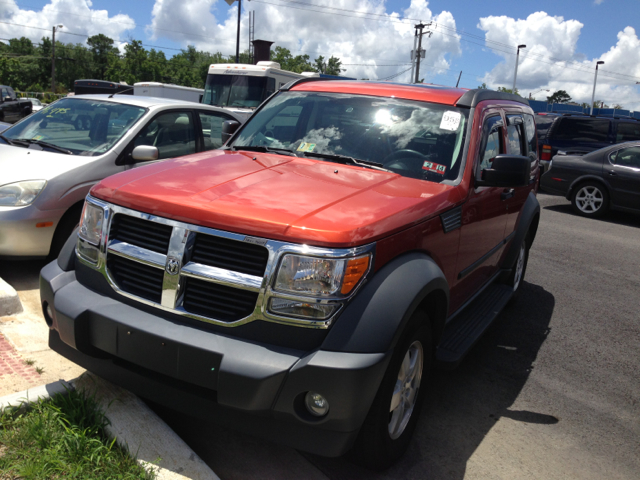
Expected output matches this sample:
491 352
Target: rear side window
530 131
543 123
628 131
586 130
627 157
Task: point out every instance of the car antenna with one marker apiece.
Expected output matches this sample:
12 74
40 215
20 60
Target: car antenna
118 93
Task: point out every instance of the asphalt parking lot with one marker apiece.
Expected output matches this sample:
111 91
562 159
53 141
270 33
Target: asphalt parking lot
552 391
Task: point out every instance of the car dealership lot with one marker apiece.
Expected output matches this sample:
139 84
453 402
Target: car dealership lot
550 392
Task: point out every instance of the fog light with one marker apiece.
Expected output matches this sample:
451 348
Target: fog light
316 404
48 314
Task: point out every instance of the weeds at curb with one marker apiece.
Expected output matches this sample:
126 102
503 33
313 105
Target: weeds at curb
63 437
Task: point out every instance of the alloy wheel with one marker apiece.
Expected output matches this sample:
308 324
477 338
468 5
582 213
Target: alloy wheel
589 199
405 392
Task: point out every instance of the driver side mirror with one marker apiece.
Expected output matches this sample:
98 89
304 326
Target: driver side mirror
7 99
145 153
506 171
229 127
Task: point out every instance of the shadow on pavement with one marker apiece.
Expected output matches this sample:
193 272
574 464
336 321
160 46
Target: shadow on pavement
22 274
463 405
613 216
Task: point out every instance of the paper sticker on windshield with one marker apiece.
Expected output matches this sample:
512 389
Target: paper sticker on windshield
306 147
434 167
450 121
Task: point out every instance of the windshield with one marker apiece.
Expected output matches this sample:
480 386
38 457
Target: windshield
414 139
83 127
235 91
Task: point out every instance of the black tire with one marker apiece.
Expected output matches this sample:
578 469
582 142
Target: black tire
65 228
376 448
519 268
590 199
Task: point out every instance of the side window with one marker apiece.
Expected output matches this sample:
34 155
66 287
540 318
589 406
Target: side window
582 130
172 132
12 94
515 144
271 87
628 131
627 157
491 145
5 93
530 131
212 128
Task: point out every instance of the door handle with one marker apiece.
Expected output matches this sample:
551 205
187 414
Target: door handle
612 173
507 193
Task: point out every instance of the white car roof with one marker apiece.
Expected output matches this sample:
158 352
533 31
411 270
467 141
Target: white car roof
149 102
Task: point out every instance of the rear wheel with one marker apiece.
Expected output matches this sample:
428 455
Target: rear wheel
388 428
590 199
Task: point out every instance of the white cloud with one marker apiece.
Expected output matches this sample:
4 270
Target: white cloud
551 60
353 40
76 16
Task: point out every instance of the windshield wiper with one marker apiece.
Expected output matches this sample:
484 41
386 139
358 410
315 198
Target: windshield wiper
262 148
347 160
10 142
33 141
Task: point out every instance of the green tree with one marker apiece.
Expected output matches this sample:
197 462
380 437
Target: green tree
102 49
331 67
297 64
483 86
507 90
559 96
9 70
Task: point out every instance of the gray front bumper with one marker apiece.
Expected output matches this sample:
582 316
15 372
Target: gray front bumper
253 387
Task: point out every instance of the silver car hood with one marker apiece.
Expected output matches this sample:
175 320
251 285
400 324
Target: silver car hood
19 163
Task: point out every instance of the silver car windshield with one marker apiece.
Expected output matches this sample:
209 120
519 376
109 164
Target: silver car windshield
83 127
414 139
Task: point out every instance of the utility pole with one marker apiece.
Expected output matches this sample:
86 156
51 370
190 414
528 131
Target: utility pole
413 56
53 58
420 27
516 74
238 37
595 79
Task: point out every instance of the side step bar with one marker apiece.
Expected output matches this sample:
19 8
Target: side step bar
468 326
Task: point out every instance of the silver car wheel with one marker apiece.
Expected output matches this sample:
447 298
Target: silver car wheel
405 392
589 199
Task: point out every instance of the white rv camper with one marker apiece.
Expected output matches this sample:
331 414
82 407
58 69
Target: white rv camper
167 90
242 86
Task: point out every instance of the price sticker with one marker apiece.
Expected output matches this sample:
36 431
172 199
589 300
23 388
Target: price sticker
450 121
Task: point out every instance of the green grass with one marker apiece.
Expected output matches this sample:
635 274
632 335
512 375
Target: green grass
62 438
29 361
40 370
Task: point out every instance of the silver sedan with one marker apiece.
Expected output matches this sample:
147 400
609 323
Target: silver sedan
50 160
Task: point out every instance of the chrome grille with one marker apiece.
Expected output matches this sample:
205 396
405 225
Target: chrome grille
230 254
141 233
218 301
136 278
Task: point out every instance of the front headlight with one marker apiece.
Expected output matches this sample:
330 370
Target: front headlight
20 194
90 232
320 277
324 279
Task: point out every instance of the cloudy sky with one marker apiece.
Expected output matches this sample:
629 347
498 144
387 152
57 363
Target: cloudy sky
373 38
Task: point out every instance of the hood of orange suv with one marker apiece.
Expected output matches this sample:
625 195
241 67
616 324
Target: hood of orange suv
292 199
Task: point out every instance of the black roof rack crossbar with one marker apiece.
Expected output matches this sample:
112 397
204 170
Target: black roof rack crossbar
475 96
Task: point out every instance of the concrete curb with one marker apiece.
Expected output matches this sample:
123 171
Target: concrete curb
9 301
154 444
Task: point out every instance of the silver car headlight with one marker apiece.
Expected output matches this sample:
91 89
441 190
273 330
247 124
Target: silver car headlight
90 233
317 277
20 194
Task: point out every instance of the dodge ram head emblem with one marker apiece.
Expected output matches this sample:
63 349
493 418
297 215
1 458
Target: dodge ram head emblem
172 266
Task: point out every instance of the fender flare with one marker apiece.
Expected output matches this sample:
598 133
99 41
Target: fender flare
529 214
374 320
584 178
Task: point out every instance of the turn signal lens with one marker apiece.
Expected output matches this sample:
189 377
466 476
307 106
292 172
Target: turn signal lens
356 268
546 152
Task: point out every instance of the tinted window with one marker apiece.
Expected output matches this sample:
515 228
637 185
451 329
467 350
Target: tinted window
582 130
530 131
515 135
5 93
493 129
172 133
627 157
628 131
543 123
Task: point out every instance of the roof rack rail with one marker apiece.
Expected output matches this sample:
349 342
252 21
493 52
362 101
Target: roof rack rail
472 97
288 86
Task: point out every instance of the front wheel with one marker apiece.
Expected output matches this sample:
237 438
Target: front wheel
590 199
388 428
516 277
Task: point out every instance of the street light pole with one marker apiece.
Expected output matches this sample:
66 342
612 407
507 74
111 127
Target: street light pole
53 58
595 79
238 37
538 91
515 75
